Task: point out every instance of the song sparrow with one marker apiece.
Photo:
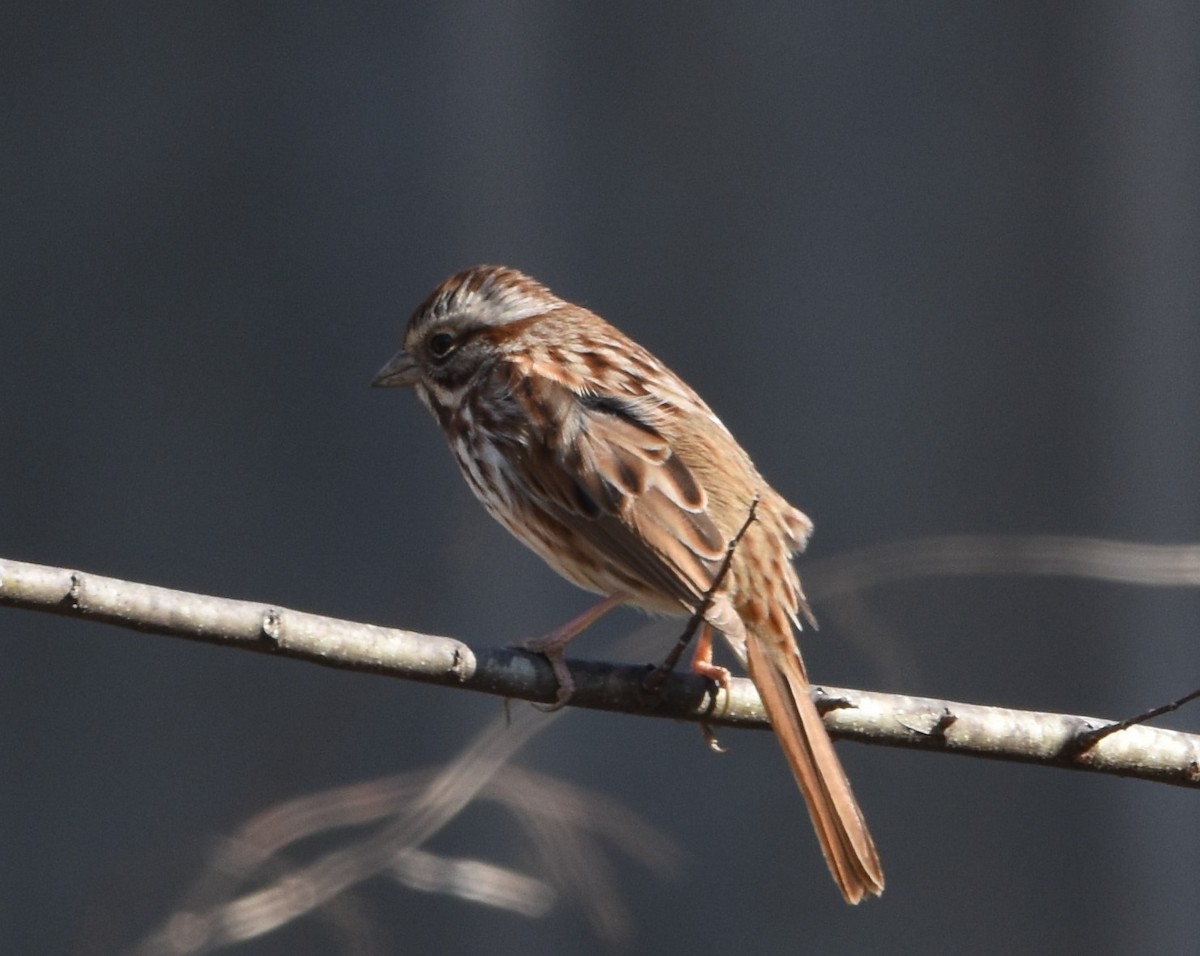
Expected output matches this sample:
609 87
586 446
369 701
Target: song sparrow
584 446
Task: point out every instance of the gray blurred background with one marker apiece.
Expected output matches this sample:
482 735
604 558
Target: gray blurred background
935 265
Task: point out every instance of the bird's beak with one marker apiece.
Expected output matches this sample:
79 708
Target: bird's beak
402 371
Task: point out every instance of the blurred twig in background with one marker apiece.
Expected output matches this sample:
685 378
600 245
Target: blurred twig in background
840 585
1124 562
256 882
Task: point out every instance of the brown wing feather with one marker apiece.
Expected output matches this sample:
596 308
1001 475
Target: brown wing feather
605 471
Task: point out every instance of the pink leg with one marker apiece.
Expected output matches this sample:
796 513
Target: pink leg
553 645
702 664
702 660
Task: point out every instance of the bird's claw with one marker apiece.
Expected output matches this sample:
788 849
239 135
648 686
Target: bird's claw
553 652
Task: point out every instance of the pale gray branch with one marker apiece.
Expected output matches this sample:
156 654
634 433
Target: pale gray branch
889 719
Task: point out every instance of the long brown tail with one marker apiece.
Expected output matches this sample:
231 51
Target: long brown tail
778 673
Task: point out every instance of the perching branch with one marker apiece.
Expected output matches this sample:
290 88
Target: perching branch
888 719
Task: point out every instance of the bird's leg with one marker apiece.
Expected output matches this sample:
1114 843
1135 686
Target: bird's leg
702 660
702 663
552 646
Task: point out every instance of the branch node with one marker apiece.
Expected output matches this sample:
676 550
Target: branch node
826 702
462 665
945 721
272 624
935 731
1084 739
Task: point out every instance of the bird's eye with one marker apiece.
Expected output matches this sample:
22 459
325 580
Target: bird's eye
441 344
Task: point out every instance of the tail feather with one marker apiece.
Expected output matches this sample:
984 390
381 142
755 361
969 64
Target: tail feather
778 673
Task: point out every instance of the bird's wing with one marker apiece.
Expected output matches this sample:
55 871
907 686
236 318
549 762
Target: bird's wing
598 463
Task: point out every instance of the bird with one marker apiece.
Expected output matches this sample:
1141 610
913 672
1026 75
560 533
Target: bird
613 470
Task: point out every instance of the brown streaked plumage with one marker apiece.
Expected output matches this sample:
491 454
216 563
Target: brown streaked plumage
607 465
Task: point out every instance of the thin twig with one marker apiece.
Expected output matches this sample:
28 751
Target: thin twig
659 674
1089 738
